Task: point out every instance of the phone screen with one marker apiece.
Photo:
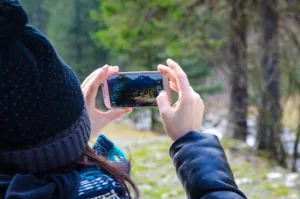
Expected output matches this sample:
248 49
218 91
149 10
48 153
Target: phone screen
134 89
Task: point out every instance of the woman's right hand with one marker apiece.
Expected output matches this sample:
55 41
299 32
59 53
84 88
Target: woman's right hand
90 87
187 113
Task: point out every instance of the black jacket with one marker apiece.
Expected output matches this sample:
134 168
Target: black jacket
202 167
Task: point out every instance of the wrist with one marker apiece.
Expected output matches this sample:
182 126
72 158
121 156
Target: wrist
179 134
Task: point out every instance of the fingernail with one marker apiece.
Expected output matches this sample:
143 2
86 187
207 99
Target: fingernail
169 64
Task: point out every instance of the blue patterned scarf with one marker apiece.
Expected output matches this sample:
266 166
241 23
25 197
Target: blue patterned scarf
97 183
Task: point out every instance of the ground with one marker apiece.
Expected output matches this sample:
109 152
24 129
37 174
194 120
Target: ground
153 171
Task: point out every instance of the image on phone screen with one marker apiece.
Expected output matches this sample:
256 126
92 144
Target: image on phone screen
134 90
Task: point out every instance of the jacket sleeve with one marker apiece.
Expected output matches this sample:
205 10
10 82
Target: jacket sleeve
202 167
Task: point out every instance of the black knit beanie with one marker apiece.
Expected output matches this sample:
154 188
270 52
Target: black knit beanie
43 121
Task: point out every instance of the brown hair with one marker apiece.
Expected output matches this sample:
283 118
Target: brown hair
90 158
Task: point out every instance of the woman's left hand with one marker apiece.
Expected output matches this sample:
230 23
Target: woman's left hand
90 87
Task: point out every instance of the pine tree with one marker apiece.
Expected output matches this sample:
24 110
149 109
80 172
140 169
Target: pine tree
270 110
71 31
238 67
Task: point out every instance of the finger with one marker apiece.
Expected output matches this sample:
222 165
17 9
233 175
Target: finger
167 72
100 76
163 103
116 113
91 88
112 70
91 76
170 74
181 77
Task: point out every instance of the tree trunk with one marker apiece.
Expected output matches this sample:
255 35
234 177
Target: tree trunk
154 121
270 110
237 64
294 166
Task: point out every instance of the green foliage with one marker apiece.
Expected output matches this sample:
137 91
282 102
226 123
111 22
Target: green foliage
146 33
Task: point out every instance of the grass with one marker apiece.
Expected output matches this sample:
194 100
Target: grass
123 131
153 171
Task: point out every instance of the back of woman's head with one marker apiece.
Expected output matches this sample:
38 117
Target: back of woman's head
43 121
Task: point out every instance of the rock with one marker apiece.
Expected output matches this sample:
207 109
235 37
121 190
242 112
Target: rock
143 120
215 131
251 140
214 125
293 196
145 187
292 180
252 126
159 155
288 140
243 181
274 175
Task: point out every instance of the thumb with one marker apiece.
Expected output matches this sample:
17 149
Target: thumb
117 113
163 102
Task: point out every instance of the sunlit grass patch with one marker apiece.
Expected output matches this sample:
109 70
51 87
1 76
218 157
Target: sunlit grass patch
124 132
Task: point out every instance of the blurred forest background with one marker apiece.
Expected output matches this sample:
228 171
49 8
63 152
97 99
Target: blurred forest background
242 56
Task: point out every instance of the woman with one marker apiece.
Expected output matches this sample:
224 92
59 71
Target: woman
46 122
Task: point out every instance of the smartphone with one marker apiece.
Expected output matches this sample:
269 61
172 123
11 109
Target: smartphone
134 89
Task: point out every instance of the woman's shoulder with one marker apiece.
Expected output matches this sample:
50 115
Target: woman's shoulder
106 148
